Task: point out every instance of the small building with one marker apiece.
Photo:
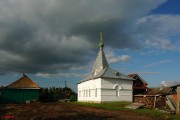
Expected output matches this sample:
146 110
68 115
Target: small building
21 91
158 97
105 84
139 84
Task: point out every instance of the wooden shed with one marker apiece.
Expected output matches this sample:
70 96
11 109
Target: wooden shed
139 84
21 91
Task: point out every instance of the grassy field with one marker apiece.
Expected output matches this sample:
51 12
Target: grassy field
120 107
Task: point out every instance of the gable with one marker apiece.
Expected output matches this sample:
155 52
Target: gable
138 80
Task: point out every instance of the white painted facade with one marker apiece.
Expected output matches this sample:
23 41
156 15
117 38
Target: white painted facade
104 84
105 90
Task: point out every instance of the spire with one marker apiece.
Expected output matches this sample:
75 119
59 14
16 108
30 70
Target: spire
101 62
101 45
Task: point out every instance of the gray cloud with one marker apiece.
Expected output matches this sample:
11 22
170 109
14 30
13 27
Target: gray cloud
66 75
50 36
170 83
113 58
157 31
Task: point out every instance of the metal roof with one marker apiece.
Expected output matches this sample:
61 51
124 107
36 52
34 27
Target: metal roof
108 73
101 68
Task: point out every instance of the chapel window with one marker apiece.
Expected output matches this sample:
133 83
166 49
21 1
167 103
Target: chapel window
118 88
96 92
89 93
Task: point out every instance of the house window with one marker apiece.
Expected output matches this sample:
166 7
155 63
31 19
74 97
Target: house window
84 94
89 93
96 92
117 91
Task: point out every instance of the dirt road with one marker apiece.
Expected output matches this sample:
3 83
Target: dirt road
63 111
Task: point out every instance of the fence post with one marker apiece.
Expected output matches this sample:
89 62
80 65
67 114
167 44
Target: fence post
178 101
155 101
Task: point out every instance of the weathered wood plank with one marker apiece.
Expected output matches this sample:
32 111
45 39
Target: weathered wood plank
178 101
170 105
135 105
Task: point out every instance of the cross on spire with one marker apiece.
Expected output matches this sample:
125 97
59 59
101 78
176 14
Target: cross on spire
101 45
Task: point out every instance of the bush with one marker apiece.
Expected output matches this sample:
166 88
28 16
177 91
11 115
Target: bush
55 94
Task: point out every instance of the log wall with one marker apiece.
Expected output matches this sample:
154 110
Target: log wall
151 101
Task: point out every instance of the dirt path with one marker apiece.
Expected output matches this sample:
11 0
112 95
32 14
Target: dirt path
64 111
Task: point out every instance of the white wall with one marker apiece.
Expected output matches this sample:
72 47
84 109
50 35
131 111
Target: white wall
109 90
106 90
90 90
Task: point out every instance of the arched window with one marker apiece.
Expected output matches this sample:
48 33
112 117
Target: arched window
84 93
117 88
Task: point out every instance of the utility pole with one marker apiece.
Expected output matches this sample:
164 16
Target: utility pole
65 83
65 92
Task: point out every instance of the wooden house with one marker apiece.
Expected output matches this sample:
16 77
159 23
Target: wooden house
139 84
21 91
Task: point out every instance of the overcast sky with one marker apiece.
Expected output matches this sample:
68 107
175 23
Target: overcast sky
59 39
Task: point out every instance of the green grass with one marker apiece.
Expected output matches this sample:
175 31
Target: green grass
106 106
120 107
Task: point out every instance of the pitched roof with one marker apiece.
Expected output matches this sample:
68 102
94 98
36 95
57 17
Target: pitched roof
159 90
108 73
101 68
23 82
134 75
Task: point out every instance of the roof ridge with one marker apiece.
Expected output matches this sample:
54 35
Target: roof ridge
105 69
142 79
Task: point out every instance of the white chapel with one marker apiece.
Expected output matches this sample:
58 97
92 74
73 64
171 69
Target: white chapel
104 84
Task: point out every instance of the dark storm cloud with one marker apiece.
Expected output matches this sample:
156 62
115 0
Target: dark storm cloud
114 33
57 35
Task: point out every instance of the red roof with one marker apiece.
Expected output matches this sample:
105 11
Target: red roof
131 75
135 74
